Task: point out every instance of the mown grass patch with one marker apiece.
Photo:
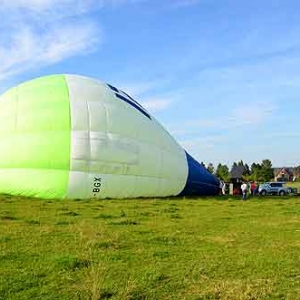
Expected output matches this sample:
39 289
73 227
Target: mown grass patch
210 248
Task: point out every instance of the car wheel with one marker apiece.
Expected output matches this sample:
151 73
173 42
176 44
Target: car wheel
263 193
281 193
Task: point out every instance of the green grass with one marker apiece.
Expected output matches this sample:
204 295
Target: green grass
294 185
207 248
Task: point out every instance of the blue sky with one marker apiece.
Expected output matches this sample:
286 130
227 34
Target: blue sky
222 76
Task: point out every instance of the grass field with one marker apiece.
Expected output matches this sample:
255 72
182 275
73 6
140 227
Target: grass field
294 185
150 249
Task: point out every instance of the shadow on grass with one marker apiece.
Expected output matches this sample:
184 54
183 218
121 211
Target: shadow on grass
125 222
7 216
70 262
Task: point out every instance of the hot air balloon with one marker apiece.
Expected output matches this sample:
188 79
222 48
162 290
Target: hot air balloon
69 136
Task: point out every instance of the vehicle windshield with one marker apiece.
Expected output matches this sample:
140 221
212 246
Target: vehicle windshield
276 184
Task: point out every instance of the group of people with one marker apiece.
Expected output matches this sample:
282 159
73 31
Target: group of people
247 188
250 188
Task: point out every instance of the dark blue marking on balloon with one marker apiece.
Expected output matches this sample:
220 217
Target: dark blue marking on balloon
133 100
113 88
134 105
128 96
129 100
199 182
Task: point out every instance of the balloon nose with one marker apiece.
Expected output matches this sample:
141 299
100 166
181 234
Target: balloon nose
199 182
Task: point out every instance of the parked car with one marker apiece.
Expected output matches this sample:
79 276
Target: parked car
274 188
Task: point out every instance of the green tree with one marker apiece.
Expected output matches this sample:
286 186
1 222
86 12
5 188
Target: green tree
255 172
222 172
253 167
246 170
266 170
210 168
240 163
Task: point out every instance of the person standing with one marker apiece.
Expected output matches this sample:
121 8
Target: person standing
224 189
253 188
244 188
221 188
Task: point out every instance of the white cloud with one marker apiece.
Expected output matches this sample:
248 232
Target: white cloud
61 7
251 113
219 139
137 89
156 104
191 127
201 143
149 94
41 12
35 33
37 5
207 148
185 3
33 37
244 115
28 49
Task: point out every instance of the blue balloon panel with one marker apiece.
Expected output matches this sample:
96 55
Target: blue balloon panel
200 181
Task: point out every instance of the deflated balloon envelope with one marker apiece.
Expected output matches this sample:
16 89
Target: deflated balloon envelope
68 136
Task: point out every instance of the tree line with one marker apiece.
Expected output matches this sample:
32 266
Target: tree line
256 172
